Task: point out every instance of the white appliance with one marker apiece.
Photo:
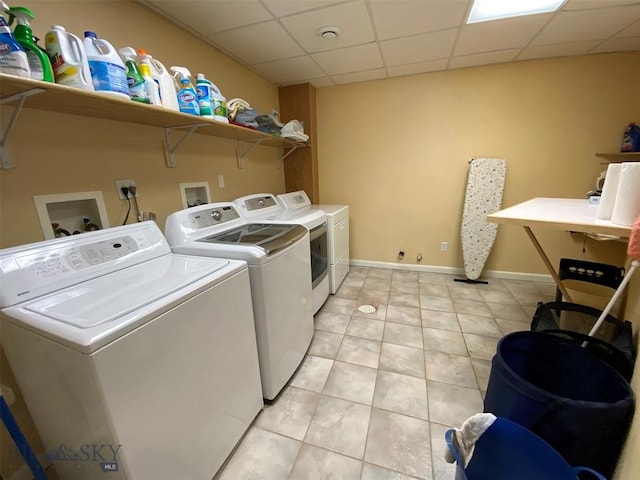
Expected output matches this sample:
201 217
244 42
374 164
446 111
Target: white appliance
134 362
337 233
265 206
279 263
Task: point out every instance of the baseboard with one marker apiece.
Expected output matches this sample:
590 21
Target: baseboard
530 277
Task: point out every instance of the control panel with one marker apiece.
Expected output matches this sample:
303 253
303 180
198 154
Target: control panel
295 200
32 270
259 203
211 216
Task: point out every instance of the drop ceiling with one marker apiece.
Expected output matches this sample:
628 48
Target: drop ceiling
391 38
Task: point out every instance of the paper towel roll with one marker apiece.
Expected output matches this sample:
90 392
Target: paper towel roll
605 208
627 204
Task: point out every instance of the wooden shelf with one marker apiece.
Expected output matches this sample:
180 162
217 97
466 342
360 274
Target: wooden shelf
620 156
63 99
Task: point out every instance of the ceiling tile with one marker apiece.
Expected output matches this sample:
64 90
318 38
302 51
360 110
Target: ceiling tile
290 70
618 45
483 58
632 30
281 8
349 60
351 18
499 34
206 17
419 48
360 76
258 43
587 4
409 17
581 25
416 68
559 50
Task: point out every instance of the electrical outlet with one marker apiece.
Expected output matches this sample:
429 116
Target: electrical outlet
444 246
125 183
221 181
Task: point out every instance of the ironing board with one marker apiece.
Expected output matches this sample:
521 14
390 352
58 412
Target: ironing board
485 185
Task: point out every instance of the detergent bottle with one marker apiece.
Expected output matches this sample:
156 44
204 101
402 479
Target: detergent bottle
68 58
39 63
137 90
13 58
107 70
188 98
168 92
203 88
144 65
219 104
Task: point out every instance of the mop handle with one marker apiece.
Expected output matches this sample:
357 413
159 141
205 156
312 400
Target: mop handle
614 299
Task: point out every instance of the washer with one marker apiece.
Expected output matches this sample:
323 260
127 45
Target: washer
265 206
134 362
279 263
337 233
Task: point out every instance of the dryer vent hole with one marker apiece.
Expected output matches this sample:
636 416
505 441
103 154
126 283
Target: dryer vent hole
367 309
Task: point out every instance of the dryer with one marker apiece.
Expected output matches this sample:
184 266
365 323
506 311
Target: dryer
265 206
337 233
134 362
279 263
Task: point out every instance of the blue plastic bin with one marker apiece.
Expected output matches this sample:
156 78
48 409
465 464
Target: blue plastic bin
507 451
564 394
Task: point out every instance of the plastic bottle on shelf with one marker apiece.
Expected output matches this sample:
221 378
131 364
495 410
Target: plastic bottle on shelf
13 58
203 88
153 83
188 98
68 58
137 90
219 103
107 70
168 91
39 63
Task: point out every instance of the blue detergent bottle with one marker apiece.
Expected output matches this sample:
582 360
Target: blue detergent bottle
188 98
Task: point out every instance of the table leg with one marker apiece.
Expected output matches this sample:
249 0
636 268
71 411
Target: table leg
547 263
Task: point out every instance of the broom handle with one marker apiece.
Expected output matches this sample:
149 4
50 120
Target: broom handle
614 299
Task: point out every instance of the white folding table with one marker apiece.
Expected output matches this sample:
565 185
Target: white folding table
571 214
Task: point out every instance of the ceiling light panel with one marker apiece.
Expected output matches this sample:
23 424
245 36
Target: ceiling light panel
486 10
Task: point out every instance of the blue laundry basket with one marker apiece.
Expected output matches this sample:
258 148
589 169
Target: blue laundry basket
507 451
564 394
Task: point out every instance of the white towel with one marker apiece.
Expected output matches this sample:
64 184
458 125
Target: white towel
627 204
609 191
466 436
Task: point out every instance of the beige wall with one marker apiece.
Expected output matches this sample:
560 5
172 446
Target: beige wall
397 151
58 153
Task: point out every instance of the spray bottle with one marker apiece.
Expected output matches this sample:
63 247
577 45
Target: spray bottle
185 103
137 89
39 62
151 82
13 58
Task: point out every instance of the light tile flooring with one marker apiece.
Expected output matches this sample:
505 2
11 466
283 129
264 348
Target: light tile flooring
376 392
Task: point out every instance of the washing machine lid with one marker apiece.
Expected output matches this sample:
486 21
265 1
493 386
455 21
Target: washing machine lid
271 238
104 300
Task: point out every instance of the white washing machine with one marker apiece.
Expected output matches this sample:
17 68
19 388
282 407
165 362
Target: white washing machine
134 362
279 263
265 206
337 233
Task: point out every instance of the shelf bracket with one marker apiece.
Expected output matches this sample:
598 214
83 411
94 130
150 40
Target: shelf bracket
281 158
4 132
240 155
170 150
